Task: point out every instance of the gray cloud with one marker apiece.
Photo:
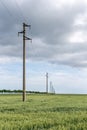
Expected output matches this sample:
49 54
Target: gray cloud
51 28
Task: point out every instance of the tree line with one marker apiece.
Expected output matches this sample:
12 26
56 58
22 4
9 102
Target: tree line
19 91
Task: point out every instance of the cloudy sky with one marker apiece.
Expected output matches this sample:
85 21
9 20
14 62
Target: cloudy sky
59 45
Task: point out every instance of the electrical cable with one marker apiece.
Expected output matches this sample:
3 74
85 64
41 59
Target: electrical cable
20 10
16 17
10 12
6 7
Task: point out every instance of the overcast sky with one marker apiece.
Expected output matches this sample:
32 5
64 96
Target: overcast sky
59 44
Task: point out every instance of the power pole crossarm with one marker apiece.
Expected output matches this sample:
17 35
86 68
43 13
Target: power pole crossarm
27 38
24 56
27 25
19 33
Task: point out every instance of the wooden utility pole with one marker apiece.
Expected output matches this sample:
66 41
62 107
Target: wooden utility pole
24 57
46 82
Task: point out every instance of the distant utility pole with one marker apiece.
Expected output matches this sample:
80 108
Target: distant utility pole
50 87
52 90
24 56
46 82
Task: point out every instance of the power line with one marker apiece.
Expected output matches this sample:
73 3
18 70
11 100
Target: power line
20 10
9 12
14 17
6 7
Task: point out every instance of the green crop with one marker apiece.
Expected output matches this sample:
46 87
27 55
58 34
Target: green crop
43 112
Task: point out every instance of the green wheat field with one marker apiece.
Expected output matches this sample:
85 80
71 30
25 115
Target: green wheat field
43 112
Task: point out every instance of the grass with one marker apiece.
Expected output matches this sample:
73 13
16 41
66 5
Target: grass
43 112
